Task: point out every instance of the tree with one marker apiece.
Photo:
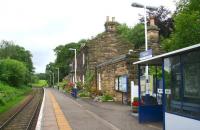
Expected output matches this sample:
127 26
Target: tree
9 50
41 76
163 20
187 27
13 72
64 57
134 35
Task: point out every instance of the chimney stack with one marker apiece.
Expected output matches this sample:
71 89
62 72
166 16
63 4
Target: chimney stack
107 18
110 25
113 19
152 20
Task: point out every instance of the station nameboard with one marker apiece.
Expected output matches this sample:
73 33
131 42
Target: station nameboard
145 54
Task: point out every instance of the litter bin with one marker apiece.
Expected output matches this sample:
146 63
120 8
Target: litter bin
74 92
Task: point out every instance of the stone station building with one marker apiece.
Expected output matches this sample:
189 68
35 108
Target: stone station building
110 60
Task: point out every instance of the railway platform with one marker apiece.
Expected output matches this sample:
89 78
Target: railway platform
62 112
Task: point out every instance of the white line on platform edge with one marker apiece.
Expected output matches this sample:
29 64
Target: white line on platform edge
39 122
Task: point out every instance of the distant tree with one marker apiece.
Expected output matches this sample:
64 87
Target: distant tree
163 20
138 36
13 72
9 50
64 57
134 35
41 76
187 26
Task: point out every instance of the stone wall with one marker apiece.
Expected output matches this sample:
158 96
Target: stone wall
106 54
109 70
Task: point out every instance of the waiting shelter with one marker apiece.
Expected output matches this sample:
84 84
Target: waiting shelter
172 94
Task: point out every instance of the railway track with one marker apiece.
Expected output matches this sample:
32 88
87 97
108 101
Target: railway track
26 117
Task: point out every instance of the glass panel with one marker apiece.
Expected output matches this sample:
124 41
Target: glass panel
151 92
123 83
182 83
191 82
173 83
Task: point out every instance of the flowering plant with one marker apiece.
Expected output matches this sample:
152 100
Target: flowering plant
70 84
135 105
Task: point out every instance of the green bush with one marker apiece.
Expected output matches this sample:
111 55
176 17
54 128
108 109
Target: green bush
84 93
8 93
136 99
40 83
63 84
13 72
106 97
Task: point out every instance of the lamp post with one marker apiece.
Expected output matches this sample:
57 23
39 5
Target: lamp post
75 65
58 77
50 80
53 78
137 5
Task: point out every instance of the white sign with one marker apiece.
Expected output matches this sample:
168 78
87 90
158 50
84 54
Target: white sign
167 91
160 90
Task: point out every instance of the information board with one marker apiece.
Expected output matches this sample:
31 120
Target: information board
123 83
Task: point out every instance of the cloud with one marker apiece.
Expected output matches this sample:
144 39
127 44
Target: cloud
41 25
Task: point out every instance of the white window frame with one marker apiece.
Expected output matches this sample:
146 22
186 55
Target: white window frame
99 80
83 58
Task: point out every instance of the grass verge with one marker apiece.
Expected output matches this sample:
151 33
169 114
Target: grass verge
11 96
40 83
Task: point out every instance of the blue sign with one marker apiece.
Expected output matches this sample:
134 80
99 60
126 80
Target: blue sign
146 54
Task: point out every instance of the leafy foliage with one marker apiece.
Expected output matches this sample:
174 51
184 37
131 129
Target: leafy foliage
133 35
163 20
106 97
13 72
89 77
84 93
10 95
9 50
40 83
187 27
64 57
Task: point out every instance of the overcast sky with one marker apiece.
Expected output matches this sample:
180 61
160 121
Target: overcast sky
41 25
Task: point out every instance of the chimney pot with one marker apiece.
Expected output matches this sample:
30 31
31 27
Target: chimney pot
113 19
107 18
152 21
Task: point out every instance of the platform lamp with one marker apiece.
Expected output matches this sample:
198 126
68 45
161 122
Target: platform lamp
137 5
58 76
75 65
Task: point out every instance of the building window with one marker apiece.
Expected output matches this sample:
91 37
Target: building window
182 78
83 58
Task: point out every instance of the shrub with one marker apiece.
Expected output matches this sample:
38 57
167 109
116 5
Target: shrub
89 77
106 97
84 93
63 84
79 85
13 72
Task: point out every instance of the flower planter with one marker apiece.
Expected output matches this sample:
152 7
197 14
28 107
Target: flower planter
135 109
135 105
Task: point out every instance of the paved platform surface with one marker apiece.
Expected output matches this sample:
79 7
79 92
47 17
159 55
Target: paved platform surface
48 119
85 114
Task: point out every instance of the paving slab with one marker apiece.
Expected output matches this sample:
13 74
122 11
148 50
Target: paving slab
49 119
89 115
